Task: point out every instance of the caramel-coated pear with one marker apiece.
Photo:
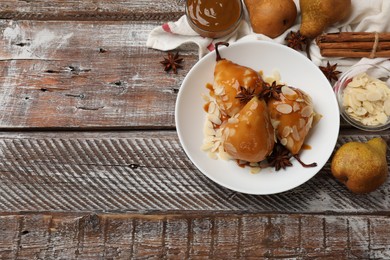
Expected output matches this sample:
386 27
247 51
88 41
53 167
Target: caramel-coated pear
292 116
229 77
249 135
317 15
362 167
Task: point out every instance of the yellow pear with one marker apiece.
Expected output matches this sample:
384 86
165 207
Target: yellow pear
362 167
317 15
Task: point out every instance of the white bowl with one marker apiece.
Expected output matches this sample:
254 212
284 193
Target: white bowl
295 70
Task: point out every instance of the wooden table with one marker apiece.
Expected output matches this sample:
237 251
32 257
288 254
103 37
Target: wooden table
91 166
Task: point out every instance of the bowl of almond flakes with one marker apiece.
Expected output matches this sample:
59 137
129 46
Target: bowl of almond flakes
363 94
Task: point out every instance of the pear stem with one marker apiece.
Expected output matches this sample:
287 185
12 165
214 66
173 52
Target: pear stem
218 58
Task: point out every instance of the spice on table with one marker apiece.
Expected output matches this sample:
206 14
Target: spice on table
330 71
172 62
354 44
296 40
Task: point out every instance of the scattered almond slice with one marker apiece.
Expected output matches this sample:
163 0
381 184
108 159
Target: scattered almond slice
284 108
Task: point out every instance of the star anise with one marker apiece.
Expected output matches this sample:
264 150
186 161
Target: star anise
172 62
330 71
245 94
280 157
296 40
271 91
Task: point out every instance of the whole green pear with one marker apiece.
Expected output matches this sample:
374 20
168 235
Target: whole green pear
362 167
317 15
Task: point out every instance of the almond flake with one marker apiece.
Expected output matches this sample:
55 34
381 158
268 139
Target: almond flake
206 146
255 170
233 120
208 131
212 107
275 123
222 154
215 119
230 147
284 108
296 107
215 146
295 133
286 131
382 118
306 111
289 93
212 155
290 143
302 122
373 96
368 106
219 90
387 106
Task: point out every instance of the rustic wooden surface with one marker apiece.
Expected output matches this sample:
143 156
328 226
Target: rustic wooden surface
91 166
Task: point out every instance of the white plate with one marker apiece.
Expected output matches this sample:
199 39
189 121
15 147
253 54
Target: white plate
295 70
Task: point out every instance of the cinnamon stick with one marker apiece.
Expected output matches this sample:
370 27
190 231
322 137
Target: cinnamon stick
353 37
354 44
354 53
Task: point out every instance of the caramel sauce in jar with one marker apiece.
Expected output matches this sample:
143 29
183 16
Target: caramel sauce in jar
214 18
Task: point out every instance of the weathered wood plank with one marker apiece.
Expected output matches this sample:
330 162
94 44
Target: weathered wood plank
101 10
10 236
85 75
198 236
147 172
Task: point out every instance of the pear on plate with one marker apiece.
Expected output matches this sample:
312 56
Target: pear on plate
292 115
317 15
249 136
362 167
229 79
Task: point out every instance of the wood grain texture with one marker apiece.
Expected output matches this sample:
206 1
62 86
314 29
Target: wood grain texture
102 10
144 172
196 236
85 75
114 182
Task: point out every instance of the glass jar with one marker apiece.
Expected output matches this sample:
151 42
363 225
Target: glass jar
214 18
374 72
